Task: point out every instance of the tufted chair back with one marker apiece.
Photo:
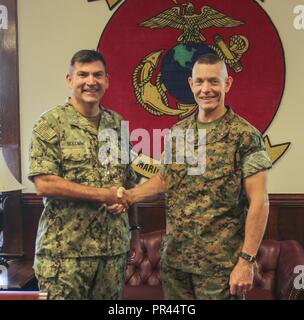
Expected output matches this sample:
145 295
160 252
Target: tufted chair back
145 266
274 276
143 280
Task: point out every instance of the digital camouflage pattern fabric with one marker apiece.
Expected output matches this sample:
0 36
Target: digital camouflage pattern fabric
206 213
65 144
179 285
71 278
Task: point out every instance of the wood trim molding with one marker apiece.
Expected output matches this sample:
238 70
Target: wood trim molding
277 199
287 199
286 218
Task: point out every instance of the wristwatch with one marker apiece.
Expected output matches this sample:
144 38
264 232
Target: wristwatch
248 257
135 228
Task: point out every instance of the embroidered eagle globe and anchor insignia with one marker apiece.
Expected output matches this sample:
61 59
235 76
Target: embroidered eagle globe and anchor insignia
178 61
151 47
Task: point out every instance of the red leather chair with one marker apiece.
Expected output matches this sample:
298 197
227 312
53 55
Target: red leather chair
143 280
273 279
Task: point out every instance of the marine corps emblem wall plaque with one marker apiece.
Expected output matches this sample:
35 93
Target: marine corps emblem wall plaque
151 46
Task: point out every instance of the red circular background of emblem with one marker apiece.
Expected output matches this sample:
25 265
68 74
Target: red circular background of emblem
257 90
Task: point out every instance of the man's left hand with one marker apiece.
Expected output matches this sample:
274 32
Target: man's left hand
116 209
241 278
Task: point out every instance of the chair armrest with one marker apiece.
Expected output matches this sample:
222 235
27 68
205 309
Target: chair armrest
291 255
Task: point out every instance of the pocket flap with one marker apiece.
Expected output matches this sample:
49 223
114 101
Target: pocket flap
75 154
212 173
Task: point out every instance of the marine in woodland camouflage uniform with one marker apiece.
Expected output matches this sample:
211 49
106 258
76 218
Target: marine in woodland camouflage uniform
206 213
81 249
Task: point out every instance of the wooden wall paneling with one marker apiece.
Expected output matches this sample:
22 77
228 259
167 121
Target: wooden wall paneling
286 218
290 224
9 123
151 216
32 208
12 227
271 229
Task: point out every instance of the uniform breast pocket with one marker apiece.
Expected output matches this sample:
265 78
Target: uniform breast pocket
223 184
175 174
213 173
75 162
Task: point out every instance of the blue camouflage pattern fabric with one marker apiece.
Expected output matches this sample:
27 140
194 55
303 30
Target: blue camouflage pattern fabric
206 213
65 144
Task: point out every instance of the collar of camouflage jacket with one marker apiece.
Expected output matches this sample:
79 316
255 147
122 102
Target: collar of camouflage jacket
76 119
217 133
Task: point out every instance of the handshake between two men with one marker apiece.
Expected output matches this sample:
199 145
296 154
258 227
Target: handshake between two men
122 199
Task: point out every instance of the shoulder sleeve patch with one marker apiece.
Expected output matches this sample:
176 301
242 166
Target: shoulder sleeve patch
256 162
44 130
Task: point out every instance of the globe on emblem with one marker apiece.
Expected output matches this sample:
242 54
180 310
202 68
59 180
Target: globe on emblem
176 68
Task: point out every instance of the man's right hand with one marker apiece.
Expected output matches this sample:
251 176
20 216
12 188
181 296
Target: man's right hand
115 195
124 195
148 191
120 201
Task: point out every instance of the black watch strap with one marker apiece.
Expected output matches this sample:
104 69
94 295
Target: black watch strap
248 257
134 228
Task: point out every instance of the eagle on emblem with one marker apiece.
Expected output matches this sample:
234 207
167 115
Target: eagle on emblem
185 19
